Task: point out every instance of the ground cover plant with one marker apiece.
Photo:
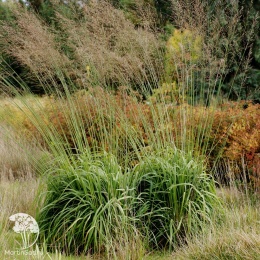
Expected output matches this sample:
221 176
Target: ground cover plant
126 124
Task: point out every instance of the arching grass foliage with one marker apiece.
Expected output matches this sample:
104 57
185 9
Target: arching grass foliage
94 206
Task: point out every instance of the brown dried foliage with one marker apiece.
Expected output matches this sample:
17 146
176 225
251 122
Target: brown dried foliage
32 43
103 40
108 42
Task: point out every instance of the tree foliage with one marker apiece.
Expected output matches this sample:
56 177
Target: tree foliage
237 41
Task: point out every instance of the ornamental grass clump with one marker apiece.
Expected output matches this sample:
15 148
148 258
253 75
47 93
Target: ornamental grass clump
92 205
87 208
177 195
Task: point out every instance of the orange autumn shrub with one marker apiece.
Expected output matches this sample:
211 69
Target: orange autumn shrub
229 132
239 123
236 129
